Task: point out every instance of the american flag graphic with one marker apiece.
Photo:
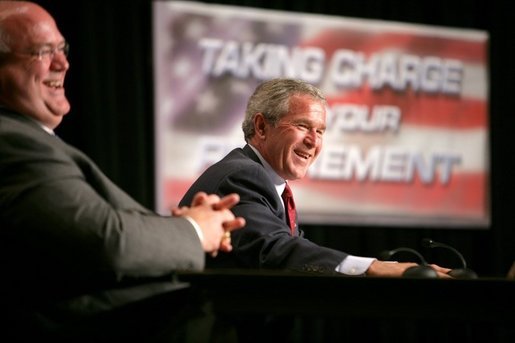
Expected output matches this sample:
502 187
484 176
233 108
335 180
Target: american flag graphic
431 166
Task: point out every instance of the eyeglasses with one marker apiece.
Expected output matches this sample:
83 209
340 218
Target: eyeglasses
47 53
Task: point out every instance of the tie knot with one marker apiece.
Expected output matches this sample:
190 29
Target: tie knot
287 192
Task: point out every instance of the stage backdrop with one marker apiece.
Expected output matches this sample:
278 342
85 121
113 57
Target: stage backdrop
407 131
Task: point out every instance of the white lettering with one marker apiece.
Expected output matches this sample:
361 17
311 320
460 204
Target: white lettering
383 164
261 61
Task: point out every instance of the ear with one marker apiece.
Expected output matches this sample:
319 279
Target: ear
260 125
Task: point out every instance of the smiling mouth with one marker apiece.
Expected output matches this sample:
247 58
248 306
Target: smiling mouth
56 84
303 155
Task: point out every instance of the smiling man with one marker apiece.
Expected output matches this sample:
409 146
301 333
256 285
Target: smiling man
81 259
34 66
284 125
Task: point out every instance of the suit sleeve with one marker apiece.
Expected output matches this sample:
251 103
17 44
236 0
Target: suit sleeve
66 215
265 242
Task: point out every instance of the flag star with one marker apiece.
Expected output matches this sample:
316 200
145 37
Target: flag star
195 30
166 107
246 34
240 88
207 102
182 68
275 28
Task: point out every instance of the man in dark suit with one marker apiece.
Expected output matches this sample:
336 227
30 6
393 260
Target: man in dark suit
284 126
76 251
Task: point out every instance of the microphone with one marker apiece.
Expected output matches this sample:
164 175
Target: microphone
460 273
421 271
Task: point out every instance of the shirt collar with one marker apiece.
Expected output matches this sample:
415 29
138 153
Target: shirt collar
47 129
278 181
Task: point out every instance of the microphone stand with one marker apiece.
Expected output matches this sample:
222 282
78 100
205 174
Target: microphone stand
460 273
421 271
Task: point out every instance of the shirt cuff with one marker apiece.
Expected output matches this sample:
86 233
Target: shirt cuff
355 265
196 227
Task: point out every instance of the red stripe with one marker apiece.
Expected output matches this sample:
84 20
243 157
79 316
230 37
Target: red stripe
463 49
174 190
465 194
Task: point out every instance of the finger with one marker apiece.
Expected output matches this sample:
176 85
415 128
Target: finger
227 202
225 242
225 245
213 254
199 199
226 238
236 223
177 211
440 269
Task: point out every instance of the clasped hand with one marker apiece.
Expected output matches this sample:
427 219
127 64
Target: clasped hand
215 219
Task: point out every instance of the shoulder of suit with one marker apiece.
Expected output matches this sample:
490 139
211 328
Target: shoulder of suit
17 122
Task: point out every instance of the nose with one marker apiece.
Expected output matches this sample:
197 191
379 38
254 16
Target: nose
312 138
60 62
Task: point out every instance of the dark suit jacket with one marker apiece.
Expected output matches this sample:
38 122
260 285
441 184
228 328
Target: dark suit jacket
265 241
70 238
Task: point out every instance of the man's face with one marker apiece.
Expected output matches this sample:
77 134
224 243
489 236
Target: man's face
295 142
28 84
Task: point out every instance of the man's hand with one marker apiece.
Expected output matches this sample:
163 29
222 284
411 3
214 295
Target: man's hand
396 269
214 218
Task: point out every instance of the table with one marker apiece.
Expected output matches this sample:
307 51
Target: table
460 309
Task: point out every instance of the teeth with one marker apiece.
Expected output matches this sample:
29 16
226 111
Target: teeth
54 84
305 156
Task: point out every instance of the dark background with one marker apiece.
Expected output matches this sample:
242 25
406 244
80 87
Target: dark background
110 87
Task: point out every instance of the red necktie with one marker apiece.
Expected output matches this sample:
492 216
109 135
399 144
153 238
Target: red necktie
289 206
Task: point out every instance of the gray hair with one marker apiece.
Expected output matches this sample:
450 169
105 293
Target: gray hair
271 98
